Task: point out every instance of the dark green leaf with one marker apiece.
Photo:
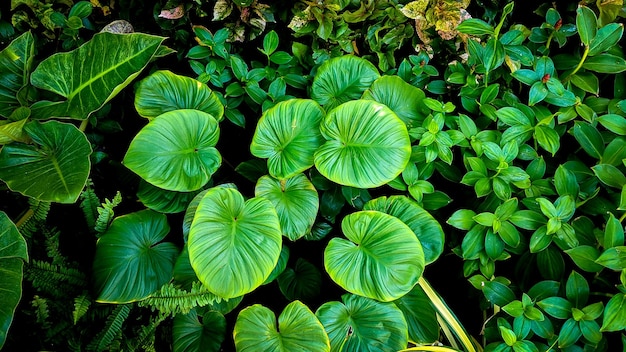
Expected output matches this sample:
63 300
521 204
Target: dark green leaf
538 92
420 315
606 38
586 24
270 42
613 258
589 139
557 307
609 175
615 314
570 333
586 81
585 258
498 293
605 63
303 282
614 123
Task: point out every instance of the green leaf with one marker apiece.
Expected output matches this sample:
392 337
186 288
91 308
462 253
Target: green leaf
547 138
176 151
420 315
90 76
585 258
382 258
613 258
526 76
303 282
605 63
367 145
341 79
538 92
569 334
204 331
298 330
462 219
131 250
165 91
424 225
586 81
498 293
288 135
577 289
614 123
270 42
613 232
239 67
528 219
493 55
13 253
362 324
162 200
565 182
475 27
589 139
557 307
609 175
234 245
606 38
16 61
402 98
280 266
586 24
54 169
615 314
295 200
615 151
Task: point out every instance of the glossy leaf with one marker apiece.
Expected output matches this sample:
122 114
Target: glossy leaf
162 200
586 24
362 324
13 253
589 139
341 79
382 259
165 91
298 329
613 258
176 151
420 315
90 76
606 38
585 258
367 145
586 81
16 61
233 244
54 169
609 175
498 293
615 314
195 332
605 63
131 250
402 98
288 135
424 225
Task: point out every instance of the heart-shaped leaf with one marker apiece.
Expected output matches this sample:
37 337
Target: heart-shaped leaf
382 258
16 61
176 151
298 330
288 135
302 282
404 99
426 228
367 145
362 324
234 244
296 202
13 253
131 262
190 334
162 200
93 74
341 79
165 91
54 169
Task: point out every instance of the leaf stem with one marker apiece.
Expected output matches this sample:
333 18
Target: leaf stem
83 125
580 64
27 215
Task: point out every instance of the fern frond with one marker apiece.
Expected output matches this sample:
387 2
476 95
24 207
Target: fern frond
171 299
33 218
112 329
105 213
56 280
81 306
89 204
52 247
42 312
146 336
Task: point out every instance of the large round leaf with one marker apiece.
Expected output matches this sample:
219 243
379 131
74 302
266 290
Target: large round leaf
288 135
234 245
162 200
367 145
192 335
165 91
361 324
298 330
302 282
13 253
177 151
295 200
131 262
382 259
420 315
404 99
341 79
54 169
426 228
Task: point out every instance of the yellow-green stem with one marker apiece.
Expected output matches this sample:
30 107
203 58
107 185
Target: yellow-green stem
27 215
580 64
83 125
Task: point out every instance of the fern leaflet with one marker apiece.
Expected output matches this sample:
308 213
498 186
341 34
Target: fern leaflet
52 247
105 213
81 306
57 280
171 300
37 213
89 204
112 328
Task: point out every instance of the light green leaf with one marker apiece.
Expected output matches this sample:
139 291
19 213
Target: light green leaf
131 250
402 98
382 258
609 175
296 202
586 81
298 330
614 123
585 258
364 325
54 169
615 314
613 258
16 61
13 253
176 151
367 145
341 79
165 91
234 245
475 27
198 332
288 135
90 76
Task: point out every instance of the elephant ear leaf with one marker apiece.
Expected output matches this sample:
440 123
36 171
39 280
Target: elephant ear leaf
199 331
401 97
298 330
91 75
16 62
13 253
